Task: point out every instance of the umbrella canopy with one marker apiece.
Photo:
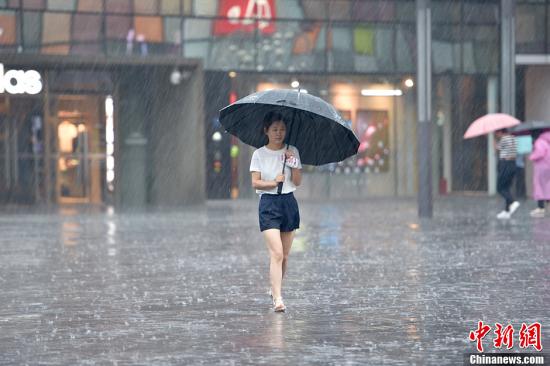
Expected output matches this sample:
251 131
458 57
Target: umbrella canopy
528 127
313 125
490 123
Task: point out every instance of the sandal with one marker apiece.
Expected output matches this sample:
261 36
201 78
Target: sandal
278 305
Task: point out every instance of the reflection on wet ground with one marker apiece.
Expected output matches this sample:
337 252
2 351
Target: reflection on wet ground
368 283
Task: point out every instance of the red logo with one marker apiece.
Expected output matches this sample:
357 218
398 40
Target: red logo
478 335
529 335
245 16
505 336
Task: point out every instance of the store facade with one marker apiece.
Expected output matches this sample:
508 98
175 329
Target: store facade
360 55
84 130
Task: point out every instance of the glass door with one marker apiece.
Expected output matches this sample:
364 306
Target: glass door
80 152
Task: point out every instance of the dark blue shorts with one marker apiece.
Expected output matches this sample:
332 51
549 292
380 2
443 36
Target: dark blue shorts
279 212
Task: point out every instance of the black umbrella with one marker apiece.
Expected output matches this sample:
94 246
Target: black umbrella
313 125
528 127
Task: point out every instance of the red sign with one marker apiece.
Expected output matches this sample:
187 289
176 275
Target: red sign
504 336
529 335
245 16
479 334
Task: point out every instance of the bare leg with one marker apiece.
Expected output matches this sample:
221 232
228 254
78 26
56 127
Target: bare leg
286 238
275 246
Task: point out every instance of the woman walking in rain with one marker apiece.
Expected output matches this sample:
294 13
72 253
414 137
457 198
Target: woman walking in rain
278 213
506 171
541 172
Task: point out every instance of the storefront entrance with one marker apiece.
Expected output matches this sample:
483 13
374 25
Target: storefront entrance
53 143
80 153
101 131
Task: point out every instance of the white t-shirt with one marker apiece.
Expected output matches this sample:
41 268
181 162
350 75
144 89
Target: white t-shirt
270 164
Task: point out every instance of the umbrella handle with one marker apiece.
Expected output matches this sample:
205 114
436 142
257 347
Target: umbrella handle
280 184
279 187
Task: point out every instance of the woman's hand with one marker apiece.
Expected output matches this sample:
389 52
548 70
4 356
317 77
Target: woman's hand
291 160
280 178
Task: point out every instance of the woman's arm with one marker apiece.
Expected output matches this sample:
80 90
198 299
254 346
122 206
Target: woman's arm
258 183
296 176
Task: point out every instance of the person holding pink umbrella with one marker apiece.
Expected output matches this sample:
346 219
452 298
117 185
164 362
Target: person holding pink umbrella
507 152
506 146
541 172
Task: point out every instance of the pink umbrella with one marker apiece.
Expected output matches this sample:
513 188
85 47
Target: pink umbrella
490 123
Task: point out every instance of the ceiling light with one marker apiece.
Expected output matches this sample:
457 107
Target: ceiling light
295 84
175 77
381 92
217 136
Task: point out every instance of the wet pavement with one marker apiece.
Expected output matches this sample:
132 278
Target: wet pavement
368 283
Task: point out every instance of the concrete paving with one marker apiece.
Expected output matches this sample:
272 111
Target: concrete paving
368 283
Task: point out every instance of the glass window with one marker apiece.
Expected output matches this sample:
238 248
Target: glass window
530 28
170 7
145 7
314 9
150 28
209 8
379 11
446 49
364 40
289 9
118 6
294 46
197 29
339 10
8 36
477 13
32 24
481 33
56 33
445 12
201 49
90 5
172 30
481 48
34 4
341 53
187 7
86 49
86 27
405 48
406 11
117 26
362 47
196 34
229 53
486 57
68 5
